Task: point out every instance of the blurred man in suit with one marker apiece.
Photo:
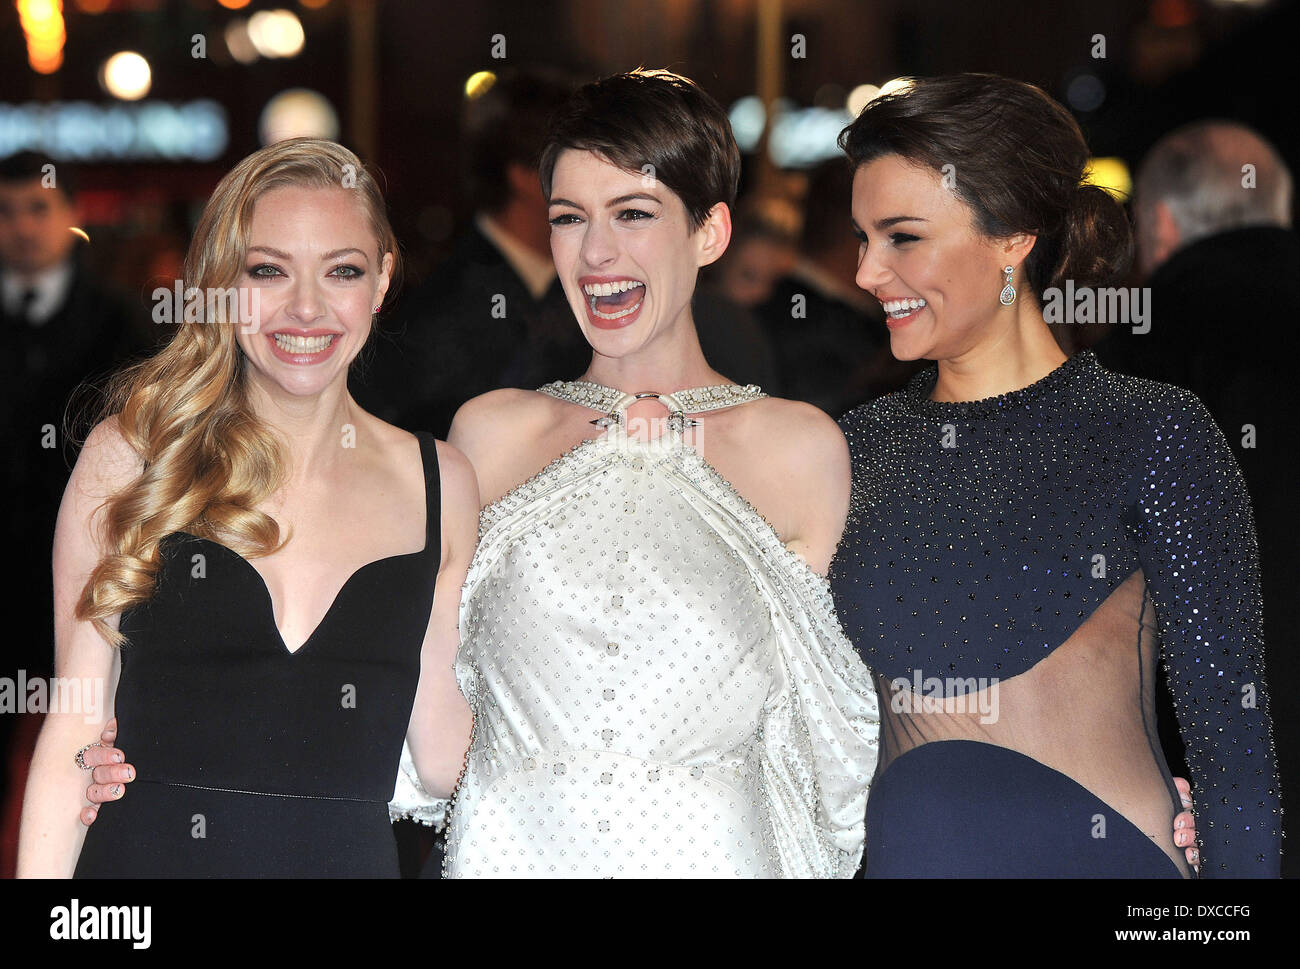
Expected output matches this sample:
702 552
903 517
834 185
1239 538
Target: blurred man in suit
493 313
59 325
1212 206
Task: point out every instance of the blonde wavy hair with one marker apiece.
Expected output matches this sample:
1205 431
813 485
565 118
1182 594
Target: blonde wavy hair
208 460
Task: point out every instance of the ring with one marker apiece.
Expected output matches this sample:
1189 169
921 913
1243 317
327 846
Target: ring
81 755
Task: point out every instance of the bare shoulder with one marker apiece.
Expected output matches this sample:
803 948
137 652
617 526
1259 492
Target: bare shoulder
493 424
106 466
107 463
456 474
797 470
803 435
499 410
458 485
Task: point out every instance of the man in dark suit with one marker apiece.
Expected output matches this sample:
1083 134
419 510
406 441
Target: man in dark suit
58 326
1212 208
493 313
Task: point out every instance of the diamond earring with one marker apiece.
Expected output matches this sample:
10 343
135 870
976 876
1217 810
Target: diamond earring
1008 295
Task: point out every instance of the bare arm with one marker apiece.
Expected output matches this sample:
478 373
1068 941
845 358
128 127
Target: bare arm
814 458
50 836
438 734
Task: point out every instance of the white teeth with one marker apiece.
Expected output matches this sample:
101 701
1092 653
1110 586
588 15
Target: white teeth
609 289
902 307
303 344
621 313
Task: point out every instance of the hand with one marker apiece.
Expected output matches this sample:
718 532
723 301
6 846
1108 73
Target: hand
111 773
1185 826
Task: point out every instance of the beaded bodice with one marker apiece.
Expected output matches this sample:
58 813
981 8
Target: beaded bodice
659 685
1013 569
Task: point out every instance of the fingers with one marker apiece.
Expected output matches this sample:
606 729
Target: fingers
110 732
88 815
1194 859
99 756
1185 830
113 772
99 793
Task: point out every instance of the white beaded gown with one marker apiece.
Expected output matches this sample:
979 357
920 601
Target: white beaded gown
660 687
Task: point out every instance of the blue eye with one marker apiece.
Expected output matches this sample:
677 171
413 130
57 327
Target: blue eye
353 272
256 271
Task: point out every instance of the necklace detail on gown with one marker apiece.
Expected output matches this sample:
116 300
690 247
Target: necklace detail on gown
680 404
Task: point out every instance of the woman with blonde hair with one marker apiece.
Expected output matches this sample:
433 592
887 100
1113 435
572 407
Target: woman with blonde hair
237 538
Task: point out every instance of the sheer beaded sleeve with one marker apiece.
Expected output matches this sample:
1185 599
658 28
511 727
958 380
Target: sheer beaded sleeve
821 726
1191 518
819 739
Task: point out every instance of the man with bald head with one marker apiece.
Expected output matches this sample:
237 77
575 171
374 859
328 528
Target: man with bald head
1212 208
1209 178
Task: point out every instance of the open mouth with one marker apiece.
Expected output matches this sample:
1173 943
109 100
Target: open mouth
615 300
303 348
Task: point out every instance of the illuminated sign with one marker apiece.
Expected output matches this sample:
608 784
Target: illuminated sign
143 131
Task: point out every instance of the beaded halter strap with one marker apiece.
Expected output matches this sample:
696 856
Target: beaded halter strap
696 400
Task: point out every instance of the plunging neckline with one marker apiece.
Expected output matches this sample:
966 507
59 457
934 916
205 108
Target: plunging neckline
268 601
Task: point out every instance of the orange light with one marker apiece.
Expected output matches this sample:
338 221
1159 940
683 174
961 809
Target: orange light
42 23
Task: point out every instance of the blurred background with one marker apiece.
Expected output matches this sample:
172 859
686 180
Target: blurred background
142 105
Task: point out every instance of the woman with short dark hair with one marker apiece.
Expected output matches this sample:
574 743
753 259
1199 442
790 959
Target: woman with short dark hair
658 681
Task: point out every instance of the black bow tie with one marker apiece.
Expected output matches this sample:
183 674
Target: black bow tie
25 305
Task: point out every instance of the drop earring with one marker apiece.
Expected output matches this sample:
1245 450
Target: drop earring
1008 295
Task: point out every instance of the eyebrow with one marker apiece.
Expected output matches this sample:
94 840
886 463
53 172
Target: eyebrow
334 254
635 196
895 219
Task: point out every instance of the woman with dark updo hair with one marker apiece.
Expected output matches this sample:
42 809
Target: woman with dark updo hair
1027 532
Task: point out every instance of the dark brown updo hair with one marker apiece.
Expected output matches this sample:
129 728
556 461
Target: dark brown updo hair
651 117
1018 158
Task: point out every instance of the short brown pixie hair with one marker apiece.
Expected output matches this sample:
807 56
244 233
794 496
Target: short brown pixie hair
655 118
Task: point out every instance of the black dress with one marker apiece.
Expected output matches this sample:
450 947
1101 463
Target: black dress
1012 571
253 761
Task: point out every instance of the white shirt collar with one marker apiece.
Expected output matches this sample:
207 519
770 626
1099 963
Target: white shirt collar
535 271
51 287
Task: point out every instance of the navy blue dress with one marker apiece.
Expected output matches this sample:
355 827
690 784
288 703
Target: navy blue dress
1012 570
253 761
